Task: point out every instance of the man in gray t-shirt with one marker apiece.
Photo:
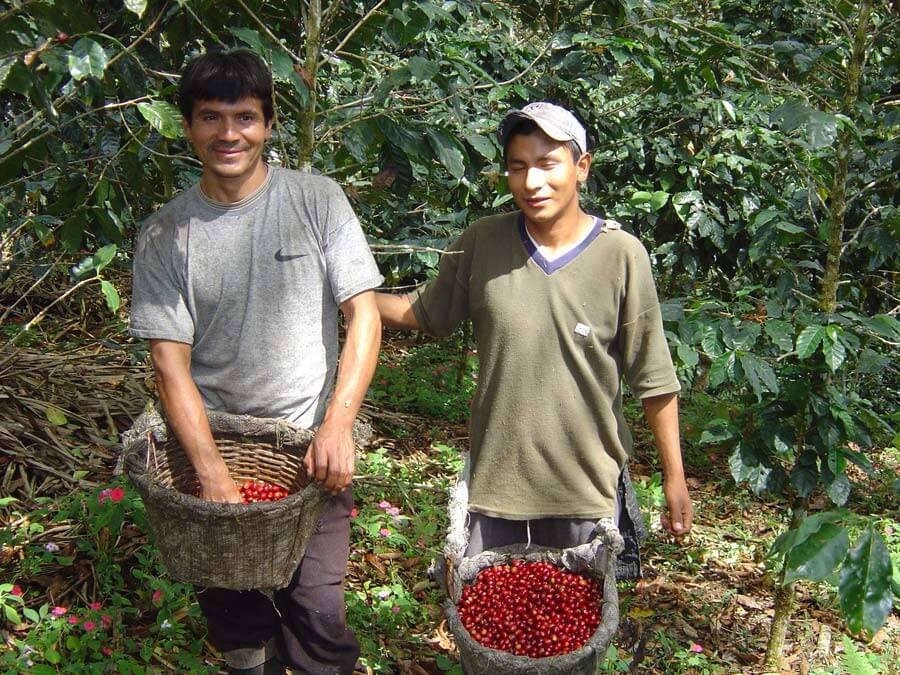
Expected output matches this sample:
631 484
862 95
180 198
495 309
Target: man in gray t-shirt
237 286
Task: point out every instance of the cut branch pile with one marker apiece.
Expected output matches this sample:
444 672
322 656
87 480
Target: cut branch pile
61 415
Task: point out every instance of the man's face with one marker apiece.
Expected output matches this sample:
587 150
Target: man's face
228 137
543 177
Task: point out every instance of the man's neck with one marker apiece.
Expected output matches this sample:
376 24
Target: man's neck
232 190
561 232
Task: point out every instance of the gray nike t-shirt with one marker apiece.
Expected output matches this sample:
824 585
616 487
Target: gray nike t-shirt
254 287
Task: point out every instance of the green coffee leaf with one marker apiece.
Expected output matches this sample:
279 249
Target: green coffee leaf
865 585
136 6
448 151
833 349
809 340
87 59
781 333
162 116
818 555
111 295
55 416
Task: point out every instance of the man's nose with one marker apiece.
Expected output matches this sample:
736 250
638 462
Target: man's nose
534 178
227 130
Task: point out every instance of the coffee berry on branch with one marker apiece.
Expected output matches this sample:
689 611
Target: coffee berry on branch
531 609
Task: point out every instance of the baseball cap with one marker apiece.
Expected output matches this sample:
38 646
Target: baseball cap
555 121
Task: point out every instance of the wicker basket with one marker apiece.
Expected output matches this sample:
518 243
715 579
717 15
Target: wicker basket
480 660
234 546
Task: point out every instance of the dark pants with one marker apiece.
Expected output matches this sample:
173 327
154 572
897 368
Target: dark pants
308 618
490 532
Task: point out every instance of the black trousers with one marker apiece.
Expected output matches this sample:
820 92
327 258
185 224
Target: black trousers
308 617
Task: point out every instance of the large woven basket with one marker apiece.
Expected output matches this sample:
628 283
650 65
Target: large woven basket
480 660
236 546
454 570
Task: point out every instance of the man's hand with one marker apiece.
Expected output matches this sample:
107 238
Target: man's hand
681 512
331 457
222 489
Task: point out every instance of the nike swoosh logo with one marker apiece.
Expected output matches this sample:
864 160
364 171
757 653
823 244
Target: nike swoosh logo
281 257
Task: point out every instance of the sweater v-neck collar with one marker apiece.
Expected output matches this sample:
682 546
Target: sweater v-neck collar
551 266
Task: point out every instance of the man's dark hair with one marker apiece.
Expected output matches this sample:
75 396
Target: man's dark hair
225 76
526 128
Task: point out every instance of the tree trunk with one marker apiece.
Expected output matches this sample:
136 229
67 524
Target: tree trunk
784 601
306 132
838 206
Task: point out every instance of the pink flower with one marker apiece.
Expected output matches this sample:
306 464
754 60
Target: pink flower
384 532
116 494
393 511
713 457
106 651
354 513
157 596
103 496
73 619
697 649
106 621
16 590
384 504
395 609
96 606
89 626
58 611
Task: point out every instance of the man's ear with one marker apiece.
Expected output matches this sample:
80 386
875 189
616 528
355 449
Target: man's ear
583 167
186 125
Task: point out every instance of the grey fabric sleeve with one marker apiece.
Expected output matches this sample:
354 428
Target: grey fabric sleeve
158 308
351 267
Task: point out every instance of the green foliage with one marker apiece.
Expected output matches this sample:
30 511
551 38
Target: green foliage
435 378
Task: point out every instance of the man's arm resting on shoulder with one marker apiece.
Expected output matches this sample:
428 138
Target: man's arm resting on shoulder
331 457
186 416
662 415
396 311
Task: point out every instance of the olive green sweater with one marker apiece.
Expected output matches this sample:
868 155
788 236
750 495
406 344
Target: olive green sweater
548 437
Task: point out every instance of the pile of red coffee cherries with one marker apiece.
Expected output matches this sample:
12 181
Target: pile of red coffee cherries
253 491
531 609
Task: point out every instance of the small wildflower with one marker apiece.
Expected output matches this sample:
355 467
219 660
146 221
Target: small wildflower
384 532
157 596
73 619
393 511
697 649
58 611
383 504
435 372
50 547
103 496
889 531
16 590
383 594
106 621
354 512
713 457
382 381
116 494
106 650
395 609
96 606
165 625
89 626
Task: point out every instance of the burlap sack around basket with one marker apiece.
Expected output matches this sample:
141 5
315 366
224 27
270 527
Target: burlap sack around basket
235 546
596 559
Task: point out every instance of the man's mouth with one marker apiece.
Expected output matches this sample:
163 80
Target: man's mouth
536 202
227 152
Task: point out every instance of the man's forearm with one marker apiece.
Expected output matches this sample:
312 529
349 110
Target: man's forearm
396 311
662 416
185 412
359 357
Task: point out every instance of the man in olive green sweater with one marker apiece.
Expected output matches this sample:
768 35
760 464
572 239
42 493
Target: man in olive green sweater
563 306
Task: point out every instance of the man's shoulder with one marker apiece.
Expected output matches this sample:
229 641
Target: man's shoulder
174 213
496 225
615 236
308 183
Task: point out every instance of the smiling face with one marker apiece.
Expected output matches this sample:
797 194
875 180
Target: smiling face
228 139
543 178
